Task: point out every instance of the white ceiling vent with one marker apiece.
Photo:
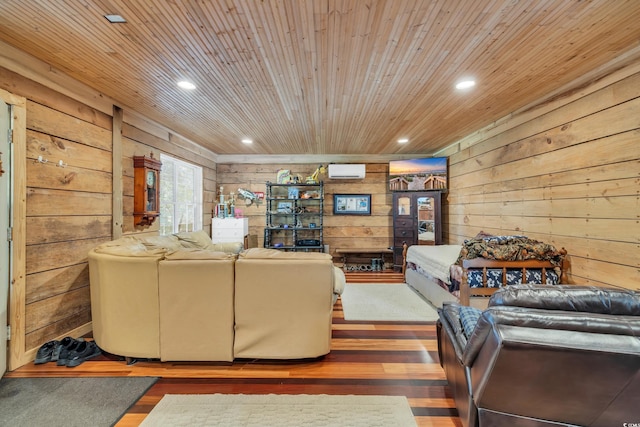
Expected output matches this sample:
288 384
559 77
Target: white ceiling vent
350 171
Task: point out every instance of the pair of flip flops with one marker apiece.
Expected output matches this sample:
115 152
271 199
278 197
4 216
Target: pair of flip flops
68 352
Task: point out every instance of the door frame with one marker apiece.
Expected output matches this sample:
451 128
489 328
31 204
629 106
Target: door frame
17 356
5 224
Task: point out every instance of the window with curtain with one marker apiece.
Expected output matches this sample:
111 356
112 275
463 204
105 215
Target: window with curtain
180 196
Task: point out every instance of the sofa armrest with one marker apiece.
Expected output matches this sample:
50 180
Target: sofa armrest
529 367
339 281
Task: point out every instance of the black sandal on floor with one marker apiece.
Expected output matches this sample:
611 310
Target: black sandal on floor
85 351
46 352
65 350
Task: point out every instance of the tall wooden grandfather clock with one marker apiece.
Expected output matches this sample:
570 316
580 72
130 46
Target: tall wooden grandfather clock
146 190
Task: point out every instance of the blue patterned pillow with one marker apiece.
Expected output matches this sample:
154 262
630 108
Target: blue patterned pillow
469 317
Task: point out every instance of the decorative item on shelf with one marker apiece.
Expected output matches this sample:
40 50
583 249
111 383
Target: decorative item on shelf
146 182
232 205
314 178
226 205
284 176
221 207
293 193
285 207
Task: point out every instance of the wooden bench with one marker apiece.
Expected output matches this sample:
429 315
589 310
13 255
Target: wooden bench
365 253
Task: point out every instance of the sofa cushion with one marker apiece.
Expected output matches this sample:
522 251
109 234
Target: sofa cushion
194 253
122 241
194 239
128 246
228 247
170 243
264 253
579 298
535 318
468 318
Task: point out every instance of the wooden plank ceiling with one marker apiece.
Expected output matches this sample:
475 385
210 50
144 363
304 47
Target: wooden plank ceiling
323 76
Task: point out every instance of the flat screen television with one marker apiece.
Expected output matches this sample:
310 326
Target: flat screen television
418 174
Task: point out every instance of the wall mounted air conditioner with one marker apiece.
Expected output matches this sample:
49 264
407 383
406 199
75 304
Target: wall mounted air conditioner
349 171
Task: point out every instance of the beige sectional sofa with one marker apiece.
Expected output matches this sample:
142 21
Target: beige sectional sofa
182 298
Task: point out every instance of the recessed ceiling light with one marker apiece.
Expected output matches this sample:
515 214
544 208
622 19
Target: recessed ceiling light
115 19
186 85
247 141
403 140
465 84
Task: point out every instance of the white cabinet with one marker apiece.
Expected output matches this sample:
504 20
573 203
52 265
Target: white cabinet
229 230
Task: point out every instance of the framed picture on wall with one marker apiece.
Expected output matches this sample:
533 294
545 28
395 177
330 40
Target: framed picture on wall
352 204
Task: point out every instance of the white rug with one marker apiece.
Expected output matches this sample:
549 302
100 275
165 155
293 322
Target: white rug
385 302
280 410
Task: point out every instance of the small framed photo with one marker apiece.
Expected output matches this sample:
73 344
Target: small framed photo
293 193
285 207
352 204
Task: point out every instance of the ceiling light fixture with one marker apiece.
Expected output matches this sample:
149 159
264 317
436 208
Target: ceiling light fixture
403 140
465 84
186 85
115 19
247 141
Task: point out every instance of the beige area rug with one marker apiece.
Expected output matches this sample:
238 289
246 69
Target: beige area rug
385 302
281 410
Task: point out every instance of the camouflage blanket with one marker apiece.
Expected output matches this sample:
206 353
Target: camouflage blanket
509 248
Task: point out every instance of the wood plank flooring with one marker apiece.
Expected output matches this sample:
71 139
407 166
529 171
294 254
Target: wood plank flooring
377 358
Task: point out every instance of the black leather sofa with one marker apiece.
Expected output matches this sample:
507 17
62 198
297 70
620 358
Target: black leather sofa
563 355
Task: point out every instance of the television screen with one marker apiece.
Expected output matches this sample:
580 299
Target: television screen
418 174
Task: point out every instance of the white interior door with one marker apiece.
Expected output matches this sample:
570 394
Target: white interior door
5 218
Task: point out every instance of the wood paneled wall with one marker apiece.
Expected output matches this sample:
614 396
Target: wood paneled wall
568 175
68 212
341 231
69 206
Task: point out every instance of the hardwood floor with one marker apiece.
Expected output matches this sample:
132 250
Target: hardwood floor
386 276
378 358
